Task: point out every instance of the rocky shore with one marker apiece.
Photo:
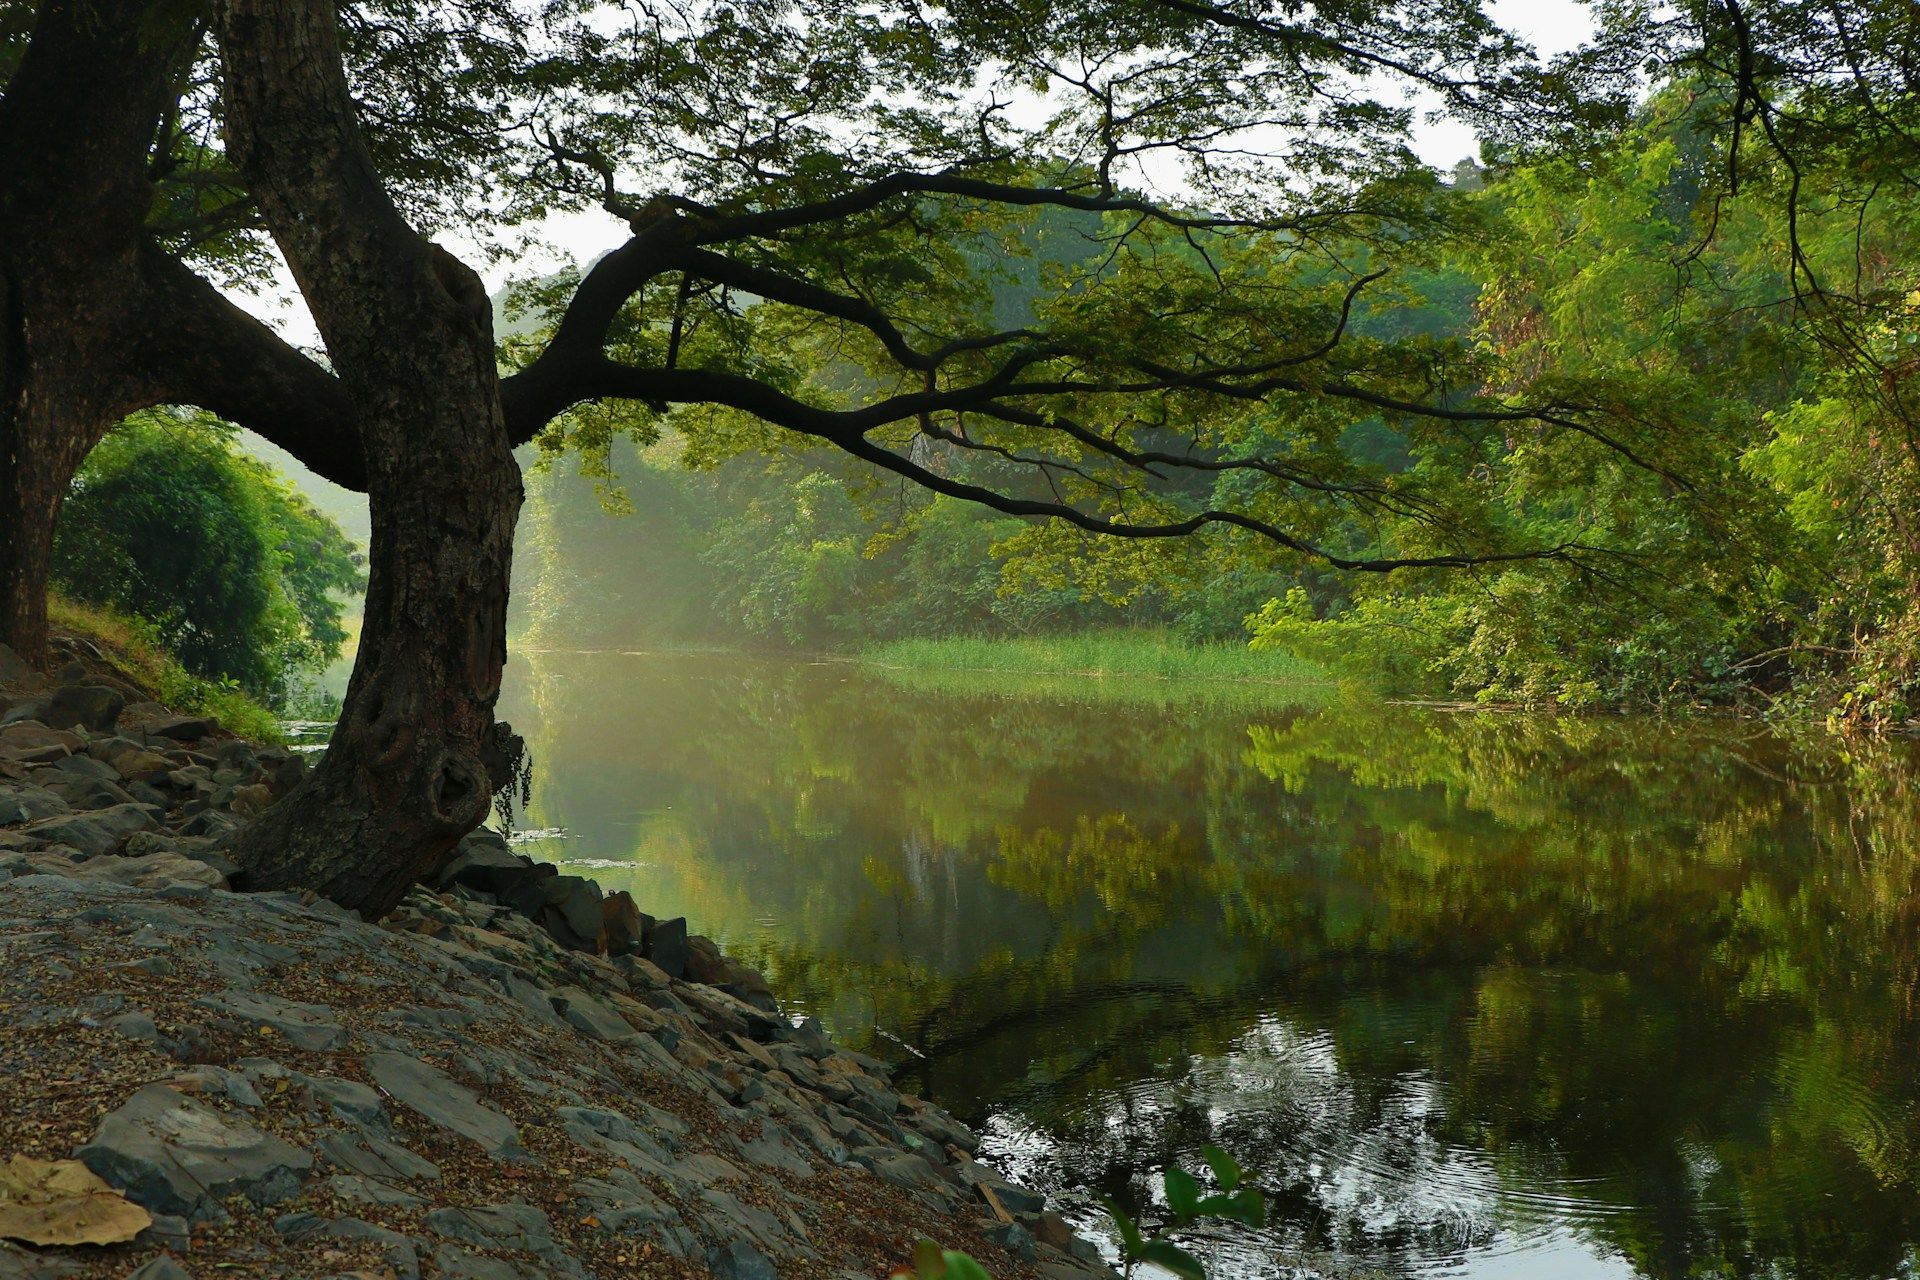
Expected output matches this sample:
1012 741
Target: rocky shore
511 1076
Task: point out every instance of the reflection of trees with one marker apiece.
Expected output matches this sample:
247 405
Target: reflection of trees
1439 975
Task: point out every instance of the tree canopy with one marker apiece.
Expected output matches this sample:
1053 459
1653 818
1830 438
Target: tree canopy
813 202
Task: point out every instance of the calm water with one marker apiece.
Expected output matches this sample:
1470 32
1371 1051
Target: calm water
1479 996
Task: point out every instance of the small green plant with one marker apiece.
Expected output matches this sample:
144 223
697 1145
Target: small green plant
1233 1200
931 1262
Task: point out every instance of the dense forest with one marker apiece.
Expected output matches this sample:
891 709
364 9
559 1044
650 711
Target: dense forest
1766 561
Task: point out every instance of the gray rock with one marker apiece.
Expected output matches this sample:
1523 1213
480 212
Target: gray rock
589 1015
90 706
160 871
611 1132
24 802
376 1158
31 710
15 669
397 1251
451 1262
446 1102
624 1205
667 946
348 1099
97 832
87 767
182 728
160 1268
171 1154
567 907
305 1026
517 1227
19 1264
1014 1238
353 1186
739 1260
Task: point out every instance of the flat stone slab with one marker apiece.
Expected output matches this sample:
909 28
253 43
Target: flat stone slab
173 1155
448 1103
305 1026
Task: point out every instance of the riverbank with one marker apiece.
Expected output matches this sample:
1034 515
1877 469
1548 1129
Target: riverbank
512 1076
1139 667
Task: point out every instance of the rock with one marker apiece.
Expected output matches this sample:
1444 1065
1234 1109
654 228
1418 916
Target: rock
704 961
22 1264
91 706
250 801
135 763
1014 1238
83 792
25 803
622 923
1016 1199
29 710
305 1026
151 871
589 1015
160 1268
519 1227
30 742
396 1250
71 674
88 767
15 669
623 1205
446 1102
98 831
181 728
738 1260
171 1154
667 946
376 1158
483 861
567 907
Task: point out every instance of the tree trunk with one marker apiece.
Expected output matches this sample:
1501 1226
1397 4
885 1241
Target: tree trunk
35 470
76 122
409 332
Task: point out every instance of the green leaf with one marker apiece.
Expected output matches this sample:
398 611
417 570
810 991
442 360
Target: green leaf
1246 1205
1226 1170
1165 1253
1183 1193
962 1267
1129 1233
929 1263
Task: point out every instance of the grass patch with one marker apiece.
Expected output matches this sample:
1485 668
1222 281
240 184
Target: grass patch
135 648
1116 666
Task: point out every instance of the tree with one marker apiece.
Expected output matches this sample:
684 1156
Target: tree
797 181
242 579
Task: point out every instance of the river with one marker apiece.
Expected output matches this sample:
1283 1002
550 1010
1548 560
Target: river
1477 995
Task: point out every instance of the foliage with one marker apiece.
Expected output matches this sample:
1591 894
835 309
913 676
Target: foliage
238 575
1235 1200
136 647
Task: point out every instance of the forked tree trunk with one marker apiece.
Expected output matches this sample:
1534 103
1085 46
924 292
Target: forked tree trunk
34 474
405 775
75 124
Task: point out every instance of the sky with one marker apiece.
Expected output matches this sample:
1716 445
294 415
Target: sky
1552 26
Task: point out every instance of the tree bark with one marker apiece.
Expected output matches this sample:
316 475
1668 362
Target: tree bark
76 122
406 773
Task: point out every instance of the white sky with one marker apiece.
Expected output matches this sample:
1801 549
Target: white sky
1552 26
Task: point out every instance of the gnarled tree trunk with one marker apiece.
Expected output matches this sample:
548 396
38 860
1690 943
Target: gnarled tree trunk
409 332
76 123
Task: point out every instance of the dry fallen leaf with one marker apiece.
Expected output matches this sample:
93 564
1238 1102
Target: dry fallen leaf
64 1202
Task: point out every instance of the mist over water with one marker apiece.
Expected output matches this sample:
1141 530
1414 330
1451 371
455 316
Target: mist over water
1478 995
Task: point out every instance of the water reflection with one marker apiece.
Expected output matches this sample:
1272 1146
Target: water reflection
1480 996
